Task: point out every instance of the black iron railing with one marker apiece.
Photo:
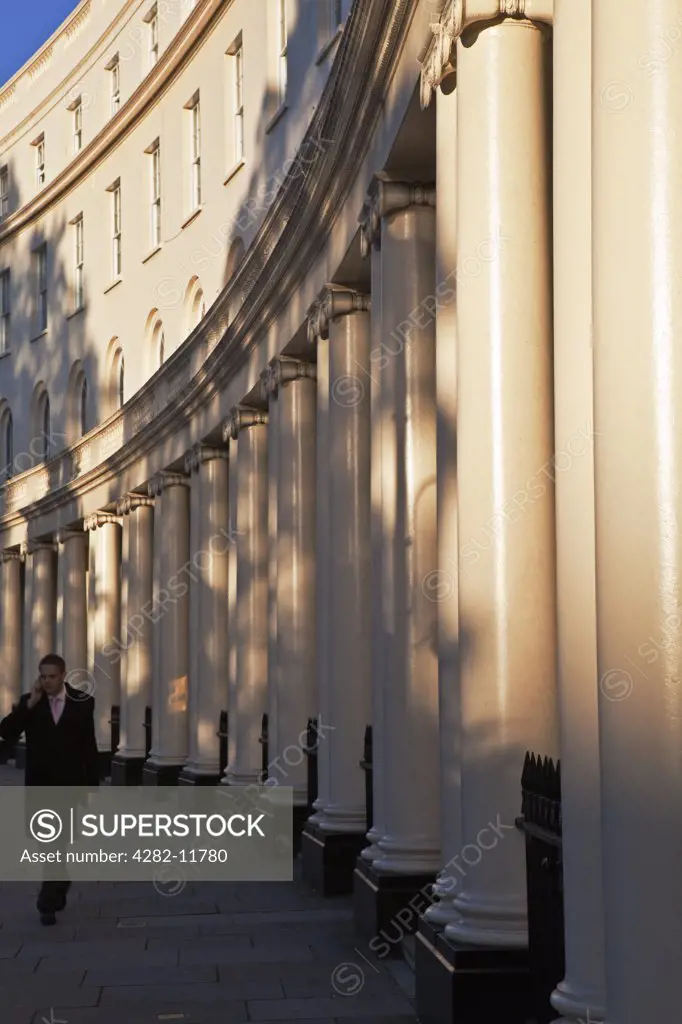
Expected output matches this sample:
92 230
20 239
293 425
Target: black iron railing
540 821
222 736
263 740
115 723
310 750
368 767
147 731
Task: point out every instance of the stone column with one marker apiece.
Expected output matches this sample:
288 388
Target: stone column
105 606
170 718
208 695
136 637
232 634
507 595
341 324
72 616
294 383
10 630
270 396
580 996
248 427
637 314
39 605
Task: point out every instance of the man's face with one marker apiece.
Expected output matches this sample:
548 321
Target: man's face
52 679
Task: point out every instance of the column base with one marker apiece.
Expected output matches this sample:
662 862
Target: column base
161 774
329 859
126 771
378 898
468 985
188 777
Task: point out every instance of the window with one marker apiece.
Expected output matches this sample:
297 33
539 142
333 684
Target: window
282 49
115 71
84 406
4 311
238 86
121 381
335 14
78 127
4 191
40 256
40 161
78 290
195 151
153 22
156 196
7 443
116 262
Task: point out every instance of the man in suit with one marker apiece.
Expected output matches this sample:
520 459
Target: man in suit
61 749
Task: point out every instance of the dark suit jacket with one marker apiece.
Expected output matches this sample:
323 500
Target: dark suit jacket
61 754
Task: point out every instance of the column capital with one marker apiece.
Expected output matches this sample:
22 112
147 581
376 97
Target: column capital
283 370
11 555
97 519
64 535
163 479
439 59
200 453
386 196
29 547
333 302
241 418
132 501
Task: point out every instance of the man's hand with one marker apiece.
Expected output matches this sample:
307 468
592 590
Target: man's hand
36 693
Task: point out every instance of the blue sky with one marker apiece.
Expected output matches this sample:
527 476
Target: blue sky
26 24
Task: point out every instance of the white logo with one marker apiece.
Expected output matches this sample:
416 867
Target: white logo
46 826
53 1019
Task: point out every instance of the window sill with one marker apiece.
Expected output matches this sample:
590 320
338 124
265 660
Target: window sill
152 253
7 352
235 171
41 334
329 45
70 316
188 220
276 118
112 285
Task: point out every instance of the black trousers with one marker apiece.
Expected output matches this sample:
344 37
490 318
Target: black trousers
52 895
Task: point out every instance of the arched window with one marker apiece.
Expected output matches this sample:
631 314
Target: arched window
194 305
162 347
84 405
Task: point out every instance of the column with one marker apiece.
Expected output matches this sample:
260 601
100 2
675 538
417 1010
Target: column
39 606
137 511
507 596
270 396
580 996
208 469
232 637
637 314
105 606
72 616
248 427
10 630
170 717
404 213
341 324
294 383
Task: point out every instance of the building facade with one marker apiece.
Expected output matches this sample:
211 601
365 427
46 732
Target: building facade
337 381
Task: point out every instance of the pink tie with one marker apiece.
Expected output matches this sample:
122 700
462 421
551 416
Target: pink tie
57 707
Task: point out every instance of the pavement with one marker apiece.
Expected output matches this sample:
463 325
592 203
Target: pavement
212 953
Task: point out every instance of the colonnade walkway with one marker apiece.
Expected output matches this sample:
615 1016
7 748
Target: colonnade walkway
212 953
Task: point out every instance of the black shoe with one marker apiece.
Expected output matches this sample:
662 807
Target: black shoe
48 917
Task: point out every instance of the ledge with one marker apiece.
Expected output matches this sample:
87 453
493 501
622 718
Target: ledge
192 216
113 284
41 334
75 312
7 352
235 171
329 45
276 118
153 252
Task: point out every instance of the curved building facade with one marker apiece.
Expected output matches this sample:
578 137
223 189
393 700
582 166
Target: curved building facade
337 382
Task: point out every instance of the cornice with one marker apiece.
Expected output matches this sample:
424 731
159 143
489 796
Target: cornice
241 418
131 502
283 252
331 303
132 111
97 519
439 59
200 453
